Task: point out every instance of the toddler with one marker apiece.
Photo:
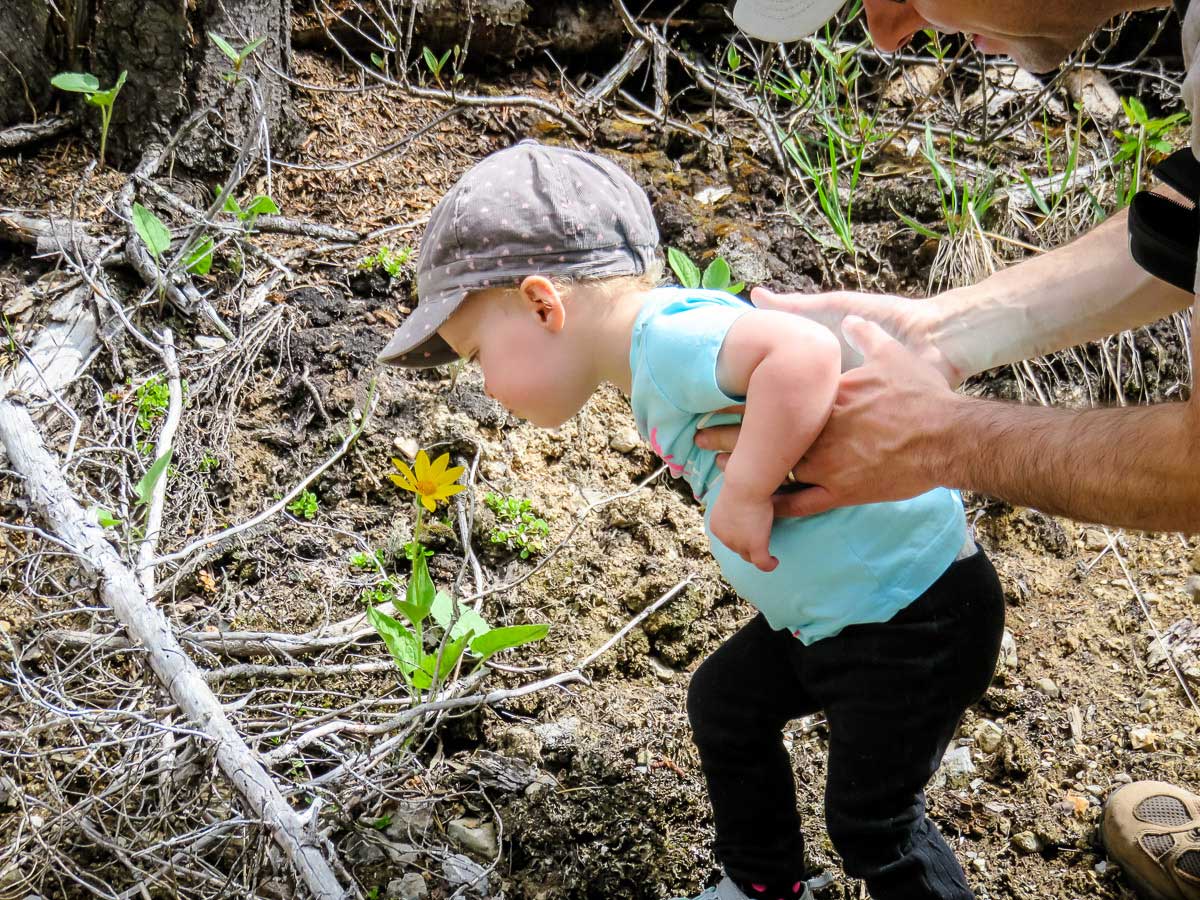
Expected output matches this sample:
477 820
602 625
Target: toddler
541 264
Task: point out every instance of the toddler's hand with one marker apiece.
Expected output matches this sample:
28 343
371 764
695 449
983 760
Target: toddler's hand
743 524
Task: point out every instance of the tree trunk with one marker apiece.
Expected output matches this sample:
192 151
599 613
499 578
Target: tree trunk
174 69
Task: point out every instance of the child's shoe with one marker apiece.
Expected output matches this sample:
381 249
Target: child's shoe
726 889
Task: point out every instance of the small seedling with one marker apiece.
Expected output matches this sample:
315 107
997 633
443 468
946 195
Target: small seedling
209 462
88 85
154 234
733 58
152 399
1141 144
105 518
199 261
144 489
363 560
261 205
435 64
716 276
237 57
391 262
304 506
518 525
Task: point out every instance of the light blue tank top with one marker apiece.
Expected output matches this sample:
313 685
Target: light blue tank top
844 567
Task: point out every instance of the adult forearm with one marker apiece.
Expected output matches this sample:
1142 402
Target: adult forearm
1131 467
1085 290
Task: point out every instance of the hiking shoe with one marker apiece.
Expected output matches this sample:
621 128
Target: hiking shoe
1152 831
727 890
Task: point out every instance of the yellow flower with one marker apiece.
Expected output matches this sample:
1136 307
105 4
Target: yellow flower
432 481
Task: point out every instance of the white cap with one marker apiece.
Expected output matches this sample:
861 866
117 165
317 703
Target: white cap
780 21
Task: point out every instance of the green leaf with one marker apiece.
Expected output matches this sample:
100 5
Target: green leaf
379 61
104 518
451 653
420 593
736 288
261 205
1035 193
231 206
732 58
685 270
79 82
487 645
917 226
109 97
716 275
430 59
151 230
468 620
251 47
144 489
199 261
224 46
442 61
402 644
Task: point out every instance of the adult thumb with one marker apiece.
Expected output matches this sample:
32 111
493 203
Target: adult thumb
865 336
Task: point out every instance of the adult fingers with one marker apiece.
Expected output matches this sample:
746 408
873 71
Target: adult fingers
808 502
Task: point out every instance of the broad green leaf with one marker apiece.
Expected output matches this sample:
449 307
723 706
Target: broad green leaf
151 230
79 82
144 489
224 46
251 47
199 261
442 61
486 645
423 678
430 59
716 275
261 205
685 270
419 593
401 643
736 288
231 206
468 620
109 97
379 61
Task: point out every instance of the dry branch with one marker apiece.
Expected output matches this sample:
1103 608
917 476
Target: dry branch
34 133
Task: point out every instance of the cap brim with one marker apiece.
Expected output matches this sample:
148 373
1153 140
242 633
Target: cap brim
416 343
780 21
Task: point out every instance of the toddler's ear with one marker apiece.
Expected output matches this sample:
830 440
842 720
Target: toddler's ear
545 301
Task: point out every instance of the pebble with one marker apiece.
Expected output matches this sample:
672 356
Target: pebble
5 626
988 736
1048 687
1008 650
1142 738
1027 842
956 769
1094 539
1101 867
409 818
626 440
475 836
209 342
1123 778
980 864
460 870
410 887
1095 790
494 470
1192 585
407 446
661 669
36 822
540 786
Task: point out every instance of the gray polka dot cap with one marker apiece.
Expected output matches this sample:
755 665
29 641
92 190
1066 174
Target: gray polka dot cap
530 209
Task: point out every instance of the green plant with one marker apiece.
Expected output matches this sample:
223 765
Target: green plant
372 560
199 260
1140 144
209 462
88 85
151 398
154 234
435 63
824 170
717 275
144 489
518 525
391 262
261 205
454 629
305 506
237 57
964 203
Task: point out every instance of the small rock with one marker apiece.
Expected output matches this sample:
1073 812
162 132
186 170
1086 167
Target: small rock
988 736
661 669
710 195
407 446
1008 650
1095 790
19 303
409 819
1192 585
980 864
410 887
626 440
1143 738
956 769
477 837
462 870
558 735
1123 778
1048 687
209 342
1101 867
494 470
522 742
1094 539
1027 842
36 822
367 854
1096 94
540 786
5 626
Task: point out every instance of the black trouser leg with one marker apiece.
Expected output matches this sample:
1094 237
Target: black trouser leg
738 702
894 694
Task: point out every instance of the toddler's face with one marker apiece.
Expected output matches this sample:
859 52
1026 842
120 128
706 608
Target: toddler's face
534 370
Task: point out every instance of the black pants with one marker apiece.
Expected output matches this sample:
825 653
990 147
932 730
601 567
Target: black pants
893 695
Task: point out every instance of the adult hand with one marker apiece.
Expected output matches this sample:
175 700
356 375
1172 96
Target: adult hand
911 322
881 440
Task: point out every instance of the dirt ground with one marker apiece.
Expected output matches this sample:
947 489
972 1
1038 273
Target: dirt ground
1079 705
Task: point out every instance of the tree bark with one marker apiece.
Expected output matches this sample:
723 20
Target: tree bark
25 68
